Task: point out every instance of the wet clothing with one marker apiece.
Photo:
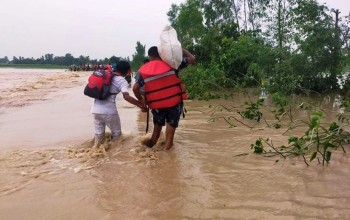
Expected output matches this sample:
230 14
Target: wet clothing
105 112
169 115
112 121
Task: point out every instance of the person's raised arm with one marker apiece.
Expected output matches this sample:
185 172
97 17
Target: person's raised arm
190 58
136 90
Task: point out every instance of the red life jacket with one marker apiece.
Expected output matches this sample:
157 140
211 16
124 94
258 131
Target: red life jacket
163 88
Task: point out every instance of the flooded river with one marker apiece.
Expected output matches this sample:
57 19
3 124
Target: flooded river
48 169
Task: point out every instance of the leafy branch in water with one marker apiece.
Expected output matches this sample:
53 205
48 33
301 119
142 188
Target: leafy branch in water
228 119
318 142
252 111
281 102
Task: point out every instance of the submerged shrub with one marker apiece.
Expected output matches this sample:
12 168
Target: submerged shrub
204 82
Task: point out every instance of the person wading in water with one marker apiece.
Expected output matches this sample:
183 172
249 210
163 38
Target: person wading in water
164 93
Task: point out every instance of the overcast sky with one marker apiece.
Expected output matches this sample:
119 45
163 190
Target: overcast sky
95 28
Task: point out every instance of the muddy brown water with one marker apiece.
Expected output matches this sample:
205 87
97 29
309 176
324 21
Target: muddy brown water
49 171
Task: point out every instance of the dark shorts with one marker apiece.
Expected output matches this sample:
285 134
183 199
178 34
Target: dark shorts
168 115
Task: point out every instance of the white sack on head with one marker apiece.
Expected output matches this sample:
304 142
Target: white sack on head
170 49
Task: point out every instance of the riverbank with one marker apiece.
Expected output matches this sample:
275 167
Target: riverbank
33 66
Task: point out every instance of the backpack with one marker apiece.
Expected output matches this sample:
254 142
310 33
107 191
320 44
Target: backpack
99 84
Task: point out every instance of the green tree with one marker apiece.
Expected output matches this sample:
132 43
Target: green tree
4 60
187 20
48 58
68 59
345 37
138 56
317 41
82 60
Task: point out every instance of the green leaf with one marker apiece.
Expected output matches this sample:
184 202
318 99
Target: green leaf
328 156
292 139
313 156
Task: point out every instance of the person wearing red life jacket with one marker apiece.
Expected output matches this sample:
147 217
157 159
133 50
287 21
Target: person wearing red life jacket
164 93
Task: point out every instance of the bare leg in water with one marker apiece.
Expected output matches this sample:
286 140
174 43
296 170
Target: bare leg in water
155 136
169 136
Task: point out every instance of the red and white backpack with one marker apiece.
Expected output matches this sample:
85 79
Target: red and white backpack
99 84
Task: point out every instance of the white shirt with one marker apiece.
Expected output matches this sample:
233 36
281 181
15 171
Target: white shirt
108 106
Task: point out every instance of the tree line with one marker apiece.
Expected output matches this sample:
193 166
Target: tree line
67 60
287 46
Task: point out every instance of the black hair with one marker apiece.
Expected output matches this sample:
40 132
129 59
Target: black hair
123 66
146 60
153 52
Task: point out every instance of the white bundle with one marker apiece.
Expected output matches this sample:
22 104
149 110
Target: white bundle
170 49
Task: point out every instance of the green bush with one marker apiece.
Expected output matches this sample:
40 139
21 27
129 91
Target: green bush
204 82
